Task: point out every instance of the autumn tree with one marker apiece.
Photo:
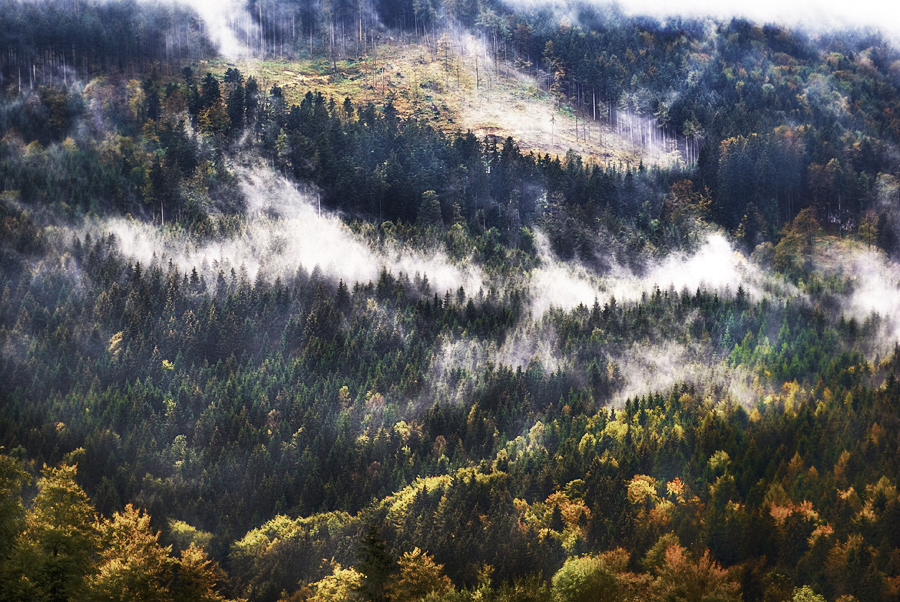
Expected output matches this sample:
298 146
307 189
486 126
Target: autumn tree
12 516
342 585
702 580
133 565
196 577
796 244
585 579
417 577
54 555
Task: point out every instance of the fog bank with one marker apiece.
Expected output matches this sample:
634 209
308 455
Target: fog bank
284 229
715 266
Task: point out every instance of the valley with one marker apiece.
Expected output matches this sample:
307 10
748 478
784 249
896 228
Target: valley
446 301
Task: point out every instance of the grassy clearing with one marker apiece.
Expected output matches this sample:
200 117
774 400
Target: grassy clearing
454 89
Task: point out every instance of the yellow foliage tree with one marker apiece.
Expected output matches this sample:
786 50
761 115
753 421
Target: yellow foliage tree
196 576
214 119
796 243
586 579
133 565
702 580
341 585
53 556
419 576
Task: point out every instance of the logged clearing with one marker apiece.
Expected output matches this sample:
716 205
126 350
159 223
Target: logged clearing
455 86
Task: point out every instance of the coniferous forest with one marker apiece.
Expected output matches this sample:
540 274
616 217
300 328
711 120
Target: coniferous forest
282 320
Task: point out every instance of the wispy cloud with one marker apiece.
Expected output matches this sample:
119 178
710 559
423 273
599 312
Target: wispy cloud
284 228
227 25
715 266
815 15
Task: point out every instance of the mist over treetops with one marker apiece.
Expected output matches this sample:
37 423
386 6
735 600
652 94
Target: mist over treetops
446 300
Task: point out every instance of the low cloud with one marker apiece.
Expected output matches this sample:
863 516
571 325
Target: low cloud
657 368
871 287
228 26
559 284
715 266
813 15
284 229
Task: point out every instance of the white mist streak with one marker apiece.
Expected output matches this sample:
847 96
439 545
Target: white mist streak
874 287
648 369
715 266
814 15
283 230
528 344
558 284
222 18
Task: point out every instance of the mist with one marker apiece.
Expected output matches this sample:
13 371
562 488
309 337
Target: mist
870 286
715 266
876 288
644 366
812 15
228 26
657 368
282 230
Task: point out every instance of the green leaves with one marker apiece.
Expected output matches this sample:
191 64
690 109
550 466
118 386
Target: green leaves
56 551
585 580
12 515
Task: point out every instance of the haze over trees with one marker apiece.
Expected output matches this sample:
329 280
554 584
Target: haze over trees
270 345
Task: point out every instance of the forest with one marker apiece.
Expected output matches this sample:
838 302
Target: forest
274 327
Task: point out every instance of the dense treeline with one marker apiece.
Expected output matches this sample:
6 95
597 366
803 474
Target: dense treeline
225 403
389 439
783 121
61 549
51 43
365 161
668 483
668 480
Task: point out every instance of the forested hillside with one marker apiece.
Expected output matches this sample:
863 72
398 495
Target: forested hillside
272 336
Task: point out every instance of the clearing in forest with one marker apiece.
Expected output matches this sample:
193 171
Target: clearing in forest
455 85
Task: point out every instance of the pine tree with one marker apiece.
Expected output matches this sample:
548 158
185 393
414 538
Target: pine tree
375 565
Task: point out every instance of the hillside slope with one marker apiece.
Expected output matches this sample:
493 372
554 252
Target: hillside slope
372 349
460 87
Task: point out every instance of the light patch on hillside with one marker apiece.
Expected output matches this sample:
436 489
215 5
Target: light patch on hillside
461 88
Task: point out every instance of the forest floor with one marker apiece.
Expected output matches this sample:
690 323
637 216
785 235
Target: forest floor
455 87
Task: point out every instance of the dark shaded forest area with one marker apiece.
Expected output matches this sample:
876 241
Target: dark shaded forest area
259 350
